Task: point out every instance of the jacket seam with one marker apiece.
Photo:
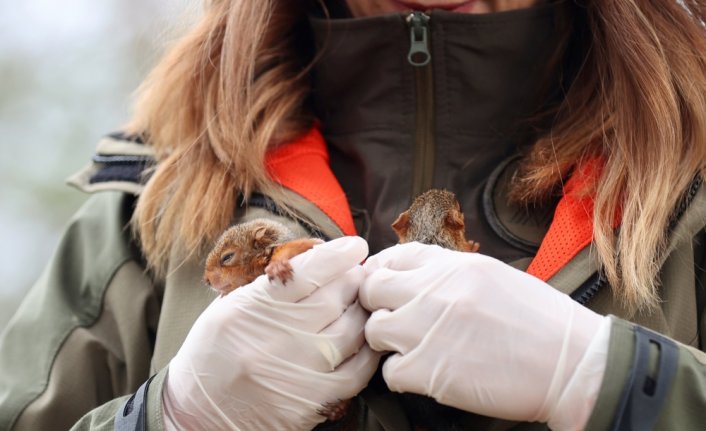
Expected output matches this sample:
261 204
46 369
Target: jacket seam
86 323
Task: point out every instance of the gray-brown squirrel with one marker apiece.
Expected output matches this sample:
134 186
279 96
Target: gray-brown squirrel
435 217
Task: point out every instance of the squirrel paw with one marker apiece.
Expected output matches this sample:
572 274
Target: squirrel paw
280 269
335 411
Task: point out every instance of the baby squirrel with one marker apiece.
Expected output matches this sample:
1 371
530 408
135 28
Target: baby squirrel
248 250
434 217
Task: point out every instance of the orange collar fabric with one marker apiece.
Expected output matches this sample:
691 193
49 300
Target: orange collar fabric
303 167
571 229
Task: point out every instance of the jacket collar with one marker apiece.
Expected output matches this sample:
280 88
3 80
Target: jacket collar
488 70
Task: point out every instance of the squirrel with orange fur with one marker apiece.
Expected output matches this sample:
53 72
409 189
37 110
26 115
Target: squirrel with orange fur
248 250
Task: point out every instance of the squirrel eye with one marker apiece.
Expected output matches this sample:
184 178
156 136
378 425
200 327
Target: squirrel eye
226 258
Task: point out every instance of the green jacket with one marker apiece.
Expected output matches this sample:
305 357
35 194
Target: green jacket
96 325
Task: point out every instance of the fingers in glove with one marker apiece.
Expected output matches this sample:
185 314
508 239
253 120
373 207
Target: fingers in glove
320 309
318 266
401 257
288 319
391 289
330 386
349 378
326 387
325 351
390 331
344 337
401 376
331 300
320 352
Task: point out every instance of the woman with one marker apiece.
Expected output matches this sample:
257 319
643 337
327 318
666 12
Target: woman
573 135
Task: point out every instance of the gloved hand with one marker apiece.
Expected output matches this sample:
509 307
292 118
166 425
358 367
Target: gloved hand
479 335
268 356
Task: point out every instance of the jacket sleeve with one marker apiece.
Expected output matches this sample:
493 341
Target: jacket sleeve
140 411
83 336
650 382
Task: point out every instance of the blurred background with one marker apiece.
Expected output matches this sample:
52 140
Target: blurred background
67 72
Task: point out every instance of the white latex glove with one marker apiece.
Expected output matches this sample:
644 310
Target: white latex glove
481 336
268 356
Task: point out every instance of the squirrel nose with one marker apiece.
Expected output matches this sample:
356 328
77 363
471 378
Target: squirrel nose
212 279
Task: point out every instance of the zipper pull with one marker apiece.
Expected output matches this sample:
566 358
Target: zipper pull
419 54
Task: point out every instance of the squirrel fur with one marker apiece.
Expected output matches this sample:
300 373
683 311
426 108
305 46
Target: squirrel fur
248 250
435 217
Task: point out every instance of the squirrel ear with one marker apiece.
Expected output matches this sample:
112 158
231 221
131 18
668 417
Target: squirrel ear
454 220
401 225
259 234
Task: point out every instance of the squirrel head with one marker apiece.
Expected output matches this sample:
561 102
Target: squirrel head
242 252
434 217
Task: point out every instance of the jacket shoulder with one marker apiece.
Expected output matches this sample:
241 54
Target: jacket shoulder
88 318
690 217
121 163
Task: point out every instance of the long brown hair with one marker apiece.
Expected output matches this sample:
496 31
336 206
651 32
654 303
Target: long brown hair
234 86
638 101
237 84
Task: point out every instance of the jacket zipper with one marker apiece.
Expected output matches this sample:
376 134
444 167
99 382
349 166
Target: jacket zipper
586 292
420 58
686 201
